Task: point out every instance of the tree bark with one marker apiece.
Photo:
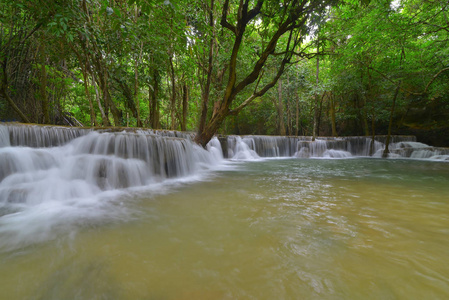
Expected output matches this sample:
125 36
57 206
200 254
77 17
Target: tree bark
317 97
280 109
205 91
136 90
390 124
185 102
43 87
297 114
153 100
93 119
332 108
373 135
172 94
130 97
104 117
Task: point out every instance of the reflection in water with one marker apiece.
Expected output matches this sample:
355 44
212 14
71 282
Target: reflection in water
274 229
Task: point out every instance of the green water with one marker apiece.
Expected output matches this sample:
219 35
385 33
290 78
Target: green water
276 229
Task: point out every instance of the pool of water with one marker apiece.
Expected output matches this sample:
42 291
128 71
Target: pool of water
272 229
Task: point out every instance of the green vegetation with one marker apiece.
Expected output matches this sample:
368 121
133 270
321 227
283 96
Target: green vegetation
292 67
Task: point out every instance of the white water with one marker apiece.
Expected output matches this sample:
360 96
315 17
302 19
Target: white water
4 137
242 150
46 191
55 179
255 147
110 216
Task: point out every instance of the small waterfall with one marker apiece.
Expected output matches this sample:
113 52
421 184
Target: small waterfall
327 147
65 176
107 161
242 149
42 136
4 137
415 150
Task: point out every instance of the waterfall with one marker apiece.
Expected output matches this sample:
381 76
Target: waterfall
242 149
52 177
58 176
4 137
43 136
253 147
415 150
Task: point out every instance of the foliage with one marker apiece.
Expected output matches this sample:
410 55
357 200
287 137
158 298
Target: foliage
232 67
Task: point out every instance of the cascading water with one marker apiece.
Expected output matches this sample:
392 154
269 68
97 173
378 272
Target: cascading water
101 213
80 174
4 137
52 176
250 147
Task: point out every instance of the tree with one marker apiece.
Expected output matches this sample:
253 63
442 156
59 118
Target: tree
287 21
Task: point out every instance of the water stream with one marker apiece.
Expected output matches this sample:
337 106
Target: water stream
142 215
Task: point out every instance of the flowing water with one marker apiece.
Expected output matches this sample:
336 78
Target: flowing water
276 229
206 228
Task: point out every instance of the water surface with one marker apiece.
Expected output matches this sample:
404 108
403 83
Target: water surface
273 229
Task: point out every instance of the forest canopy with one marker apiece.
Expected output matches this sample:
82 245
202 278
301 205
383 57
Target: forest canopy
232 67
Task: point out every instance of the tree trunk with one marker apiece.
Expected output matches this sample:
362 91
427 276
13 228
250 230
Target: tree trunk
365 122
172 94
297 114
116 114
104 117
93 119
289 110
136 89
280 109
129 97
297 18
211 127
205 91
332 111
320 110
153 101
43 87
185 102
390 124
317 98
373 134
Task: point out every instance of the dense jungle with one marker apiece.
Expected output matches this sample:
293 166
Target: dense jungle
293 67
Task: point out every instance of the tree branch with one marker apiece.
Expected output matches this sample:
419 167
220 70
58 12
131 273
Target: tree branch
261 92
433 79
224 18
